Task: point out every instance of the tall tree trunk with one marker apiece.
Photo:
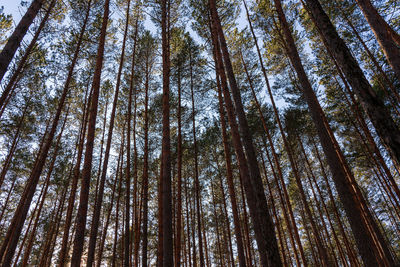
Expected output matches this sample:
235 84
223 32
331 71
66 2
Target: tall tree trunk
196 168
343 179
87 166
99 199
145 178
263 226
373 106
135 212
179 179
21 64
165 179
8 248
14 41
74 183
229 177
387 38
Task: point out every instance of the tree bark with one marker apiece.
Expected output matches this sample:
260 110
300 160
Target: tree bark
167 248
345 187
8 89
263 225
15 39
387 38
373 106
87 166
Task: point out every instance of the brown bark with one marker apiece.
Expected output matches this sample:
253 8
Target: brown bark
387 38
373 106
21 64
145 177
343 179
87 166
263 226
229 178
105 228
74 182
14 41
165 179
179 178
99 199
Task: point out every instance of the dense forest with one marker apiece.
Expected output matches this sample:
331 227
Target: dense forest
200 133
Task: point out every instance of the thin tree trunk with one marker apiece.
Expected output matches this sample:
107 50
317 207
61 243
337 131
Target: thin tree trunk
145 177
196 169
105 229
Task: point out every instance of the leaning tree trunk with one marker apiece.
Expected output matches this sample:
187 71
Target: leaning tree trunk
373 106
15 39
387 38
263 225
229 177
21 64
10 243
345 186
87 166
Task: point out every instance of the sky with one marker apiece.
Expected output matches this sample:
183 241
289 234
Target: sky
12 7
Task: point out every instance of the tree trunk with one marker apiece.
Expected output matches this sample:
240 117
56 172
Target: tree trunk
263 226
196 170
87 166
229 177
99 199
21 64
145 178
167 248
387 38
105 229
373 106
74 183
15 39
340 174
